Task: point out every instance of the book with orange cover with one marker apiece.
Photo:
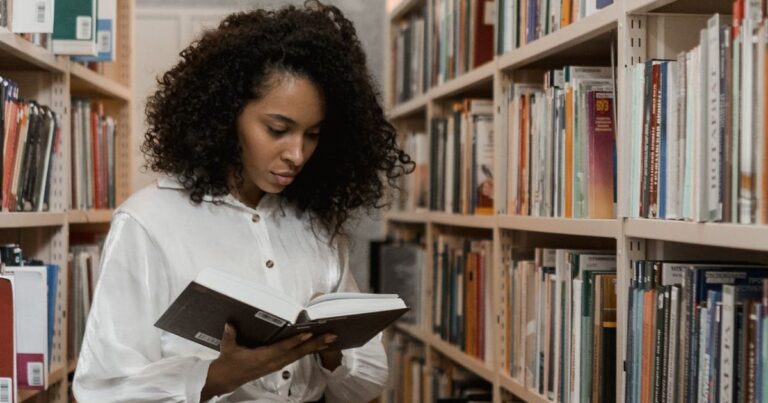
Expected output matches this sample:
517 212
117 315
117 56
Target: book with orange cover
7 341
565 13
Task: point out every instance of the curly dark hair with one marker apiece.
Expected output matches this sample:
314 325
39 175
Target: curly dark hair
192 118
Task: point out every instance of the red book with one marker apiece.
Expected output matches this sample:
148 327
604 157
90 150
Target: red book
602 140
482 37
7 342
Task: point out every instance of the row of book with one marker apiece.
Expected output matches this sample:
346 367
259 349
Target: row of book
30 141
697 126
33 299
415 186
524 21
461 37
561 143
560 309
445 381
461 302
400 268
697 332
410 58
93 156
461 159
86 29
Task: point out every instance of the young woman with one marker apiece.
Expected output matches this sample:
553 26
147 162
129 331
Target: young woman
269 135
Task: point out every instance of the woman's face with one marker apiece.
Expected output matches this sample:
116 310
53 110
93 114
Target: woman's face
279 133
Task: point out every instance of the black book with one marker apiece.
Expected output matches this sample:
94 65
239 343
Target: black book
262 315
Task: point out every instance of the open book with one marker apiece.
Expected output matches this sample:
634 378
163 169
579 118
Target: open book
263 315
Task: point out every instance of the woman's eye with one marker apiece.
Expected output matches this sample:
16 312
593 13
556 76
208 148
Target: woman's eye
313 135
277 132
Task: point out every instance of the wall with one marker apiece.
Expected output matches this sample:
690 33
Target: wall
165 27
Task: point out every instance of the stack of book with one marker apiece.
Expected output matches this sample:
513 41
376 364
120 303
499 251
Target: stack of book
410 58
561 322
461 159
93 156
30 141
697 127
415 186
561 142
461 310
83 274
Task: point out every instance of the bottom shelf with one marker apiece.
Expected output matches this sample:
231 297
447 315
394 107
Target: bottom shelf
53 378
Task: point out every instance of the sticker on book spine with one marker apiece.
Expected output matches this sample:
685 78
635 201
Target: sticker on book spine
6 390
35 373
84 27
269 318
40 11
207 339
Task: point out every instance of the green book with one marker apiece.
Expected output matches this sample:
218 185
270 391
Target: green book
74 27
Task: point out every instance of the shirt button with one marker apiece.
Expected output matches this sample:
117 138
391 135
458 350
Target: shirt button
270 264
255 218
286 375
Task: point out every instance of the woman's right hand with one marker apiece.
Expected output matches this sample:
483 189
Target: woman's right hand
237 365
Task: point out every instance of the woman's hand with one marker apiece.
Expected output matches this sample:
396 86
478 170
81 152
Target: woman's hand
237 365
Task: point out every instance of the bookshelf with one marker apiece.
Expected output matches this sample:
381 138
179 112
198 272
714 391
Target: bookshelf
53 80
625 33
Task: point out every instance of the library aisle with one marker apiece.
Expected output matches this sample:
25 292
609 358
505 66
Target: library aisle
588 216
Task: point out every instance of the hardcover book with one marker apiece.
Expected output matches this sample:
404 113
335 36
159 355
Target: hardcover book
262 315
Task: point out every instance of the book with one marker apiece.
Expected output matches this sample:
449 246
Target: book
31 320
7 341
262 315
32 16
74 27
106 35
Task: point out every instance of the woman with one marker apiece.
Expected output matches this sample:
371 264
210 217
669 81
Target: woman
269 135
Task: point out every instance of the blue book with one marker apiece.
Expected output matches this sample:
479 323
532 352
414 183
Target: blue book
603 3
53 282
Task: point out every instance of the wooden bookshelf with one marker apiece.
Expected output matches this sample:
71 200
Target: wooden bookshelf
637 30
52 80
89 216
604 228
87 82
31 220
409 108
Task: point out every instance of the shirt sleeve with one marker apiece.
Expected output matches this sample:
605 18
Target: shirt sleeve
363 370
121 358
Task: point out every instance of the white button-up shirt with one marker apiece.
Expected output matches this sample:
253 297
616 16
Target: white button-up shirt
158 242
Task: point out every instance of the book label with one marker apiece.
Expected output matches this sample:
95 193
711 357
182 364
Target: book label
83 25
6 390
270 318
35 373
207 339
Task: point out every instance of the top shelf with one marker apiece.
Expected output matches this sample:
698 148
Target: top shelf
87 82
19 54
679 6
404 7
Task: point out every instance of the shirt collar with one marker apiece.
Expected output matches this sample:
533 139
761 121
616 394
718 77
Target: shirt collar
269 204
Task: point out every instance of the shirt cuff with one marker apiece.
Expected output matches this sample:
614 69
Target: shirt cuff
342 371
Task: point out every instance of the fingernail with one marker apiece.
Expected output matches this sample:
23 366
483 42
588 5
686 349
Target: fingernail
305 336
329 338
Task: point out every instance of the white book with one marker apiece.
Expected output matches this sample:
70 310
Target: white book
746 195
31 317
727 344
576 352
691 94
32 16
672 344
736 123
703 367
672 140
713 210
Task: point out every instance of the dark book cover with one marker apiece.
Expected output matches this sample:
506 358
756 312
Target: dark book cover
199 314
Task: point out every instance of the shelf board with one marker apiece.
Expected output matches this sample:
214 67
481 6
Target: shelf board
409 108
571 39
460 220
403 8
53 378
603 228
87 82
412 217
705 7
30 220
475 365
512 385
413 331
739 236
17 53
90 216
472 79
